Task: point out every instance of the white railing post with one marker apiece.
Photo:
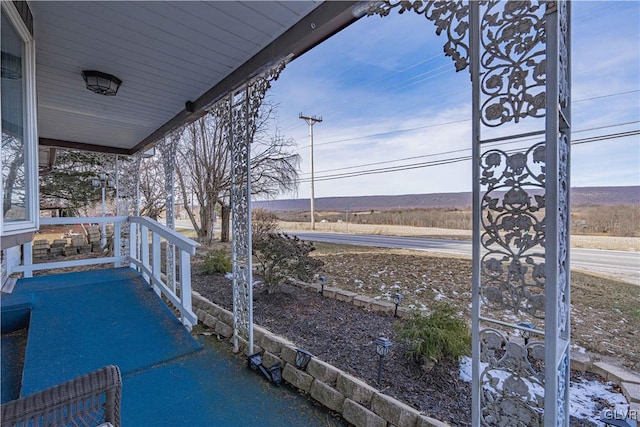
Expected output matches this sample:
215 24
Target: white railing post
133 244
156 261
144 248
27 254
185 285
117 245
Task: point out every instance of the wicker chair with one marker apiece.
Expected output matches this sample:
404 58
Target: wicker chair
90 400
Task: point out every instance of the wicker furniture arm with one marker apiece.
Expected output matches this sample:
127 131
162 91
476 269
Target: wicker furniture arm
90 400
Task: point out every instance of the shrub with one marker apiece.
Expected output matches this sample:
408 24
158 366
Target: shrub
216 261
263 223
282 257
441 334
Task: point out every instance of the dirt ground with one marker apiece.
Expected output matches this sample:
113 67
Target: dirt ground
343 335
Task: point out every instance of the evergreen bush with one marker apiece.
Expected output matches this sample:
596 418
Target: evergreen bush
216 261
441 334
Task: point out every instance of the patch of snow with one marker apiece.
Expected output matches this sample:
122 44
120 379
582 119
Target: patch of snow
585 397
576 348
439 297
465 369
228 276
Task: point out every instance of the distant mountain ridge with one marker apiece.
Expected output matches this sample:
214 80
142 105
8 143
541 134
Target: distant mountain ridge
607 196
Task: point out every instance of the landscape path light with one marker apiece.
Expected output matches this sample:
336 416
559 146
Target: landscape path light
397 298
302 358
323 280
383 345
273 373
526 334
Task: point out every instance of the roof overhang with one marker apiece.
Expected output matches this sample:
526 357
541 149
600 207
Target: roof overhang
166 54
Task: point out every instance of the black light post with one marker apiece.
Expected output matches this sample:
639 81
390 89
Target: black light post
383 345
396 299
323 280
525 333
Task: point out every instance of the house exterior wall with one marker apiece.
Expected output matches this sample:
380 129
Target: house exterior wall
19 158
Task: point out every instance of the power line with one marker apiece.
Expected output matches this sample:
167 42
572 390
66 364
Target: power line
374 135
461 150
441 162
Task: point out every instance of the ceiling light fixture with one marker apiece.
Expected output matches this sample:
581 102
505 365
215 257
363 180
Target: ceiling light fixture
101 83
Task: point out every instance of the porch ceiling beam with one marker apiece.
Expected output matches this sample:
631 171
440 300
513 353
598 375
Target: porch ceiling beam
58 143
323 22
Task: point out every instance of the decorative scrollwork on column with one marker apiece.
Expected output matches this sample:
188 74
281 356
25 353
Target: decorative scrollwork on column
168 148
128 180
563 57
563 234
451 17
563 146
513 381
563 382
238 113
512 61
513 232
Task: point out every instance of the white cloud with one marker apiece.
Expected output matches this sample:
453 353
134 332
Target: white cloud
382 75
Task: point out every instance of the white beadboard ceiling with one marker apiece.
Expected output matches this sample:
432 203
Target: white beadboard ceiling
165 53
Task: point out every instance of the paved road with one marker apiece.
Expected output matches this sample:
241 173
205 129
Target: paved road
622 265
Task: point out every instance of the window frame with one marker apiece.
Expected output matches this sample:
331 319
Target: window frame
32 221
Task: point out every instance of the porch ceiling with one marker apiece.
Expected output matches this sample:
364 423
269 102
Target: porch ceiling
166 53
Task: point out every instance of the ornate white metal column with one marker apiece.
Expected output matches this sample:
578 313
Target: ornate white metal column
169 148
519 54
127 181
238 112
521 207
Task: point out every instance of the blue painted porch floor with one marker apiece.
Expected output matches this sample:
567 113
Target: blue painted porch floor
82 321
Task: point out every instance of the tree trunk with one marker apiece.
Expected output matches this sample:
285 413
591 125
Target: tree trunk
224 223
207 219
10 182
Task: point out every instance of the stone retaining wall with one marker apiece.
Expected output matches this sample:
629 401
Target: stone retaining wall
357 402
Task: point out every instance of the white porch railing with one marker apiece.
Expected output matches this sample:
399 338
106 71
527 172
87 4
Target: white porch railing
145 239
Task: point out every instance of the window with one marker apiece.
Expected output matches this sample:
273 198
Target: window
18 160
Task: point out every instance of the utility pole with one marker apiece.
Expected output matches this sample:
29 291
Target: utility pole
311 121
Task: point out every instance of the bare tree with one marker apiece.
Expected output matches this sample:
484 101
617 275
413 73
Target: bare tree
204 167
152 197
13 190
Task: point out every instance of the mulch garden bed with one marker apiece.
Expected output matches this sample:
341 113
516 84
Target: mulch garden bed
343 335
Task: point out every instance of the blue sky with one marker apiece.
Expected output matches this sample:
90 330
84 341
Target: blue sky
388 97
